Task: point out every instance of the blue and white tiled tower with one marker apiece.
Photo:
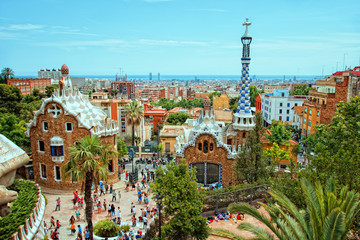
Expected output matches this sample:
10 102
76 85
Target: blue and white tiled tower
243 119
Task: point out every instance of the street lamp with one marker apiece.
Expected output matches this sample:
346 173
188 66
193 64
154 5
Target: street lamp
159 202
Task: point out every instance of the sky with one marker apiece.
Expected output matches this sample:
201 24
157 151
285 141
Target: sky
179 37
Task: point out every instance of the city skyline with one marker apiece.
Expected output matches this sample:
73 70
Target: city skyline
177 37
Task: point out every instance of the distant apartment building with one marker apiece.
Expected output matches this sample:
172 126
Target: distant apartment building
125 89
258 103
278 105
270 88
99 95
27 85
154 116
168 135
221 102
55 75
320 107
298 114
148 93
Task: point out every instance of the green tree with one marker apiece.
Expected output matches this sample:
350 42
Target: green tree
49 90
337 148
328 214
36 95
276 154
254 91
211 96
134 113
27 111
121 148
250 163
279 133
6 73
10 99
88 164
177 118
182 202
14 129
301 90
159 148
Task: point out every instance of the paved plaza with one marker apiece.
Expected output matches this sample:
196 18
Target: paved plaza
67 208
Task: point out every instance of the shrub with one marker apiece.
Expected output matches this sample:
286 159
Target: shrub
106 228
21 207
125 228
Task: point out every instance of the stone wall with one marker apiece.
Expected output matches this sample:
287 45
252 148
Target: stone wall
56 127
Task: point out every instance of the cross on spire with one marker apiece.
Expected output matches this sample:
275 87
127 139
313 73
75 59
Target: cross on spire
246 24
56 111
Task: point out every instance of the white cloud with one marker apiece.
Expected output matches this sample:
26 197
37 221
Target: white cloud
24 27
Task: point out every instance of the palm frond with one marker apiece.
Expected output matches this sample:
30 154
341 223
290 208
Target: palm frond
260 233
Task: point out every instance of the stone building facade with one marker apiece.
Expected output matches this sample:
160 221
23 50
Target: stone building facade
27 85
62 120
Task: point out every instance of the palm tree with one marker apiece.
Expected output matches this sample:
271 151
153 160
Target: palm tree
7 72
328 214
134 113
88 164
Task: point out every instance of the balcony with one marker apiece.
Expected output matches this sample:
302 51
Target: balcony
58 158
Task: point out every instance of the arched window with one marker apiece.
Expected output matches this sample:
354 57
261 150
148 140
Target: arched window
244 135
110 166
200 146
205 146
211 147
212 173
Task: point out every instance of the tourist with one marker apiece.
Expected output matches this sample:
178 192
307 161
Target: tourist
106 188
143 183
131 233
133 186
109 210
133 221
57 204
99 207
58 225
73 229
119 195
77 213
79 232
145 222
72 220
105 205
55 235
127 175
87 233
52 222
111 188
126 237
113 194
119 216
112 210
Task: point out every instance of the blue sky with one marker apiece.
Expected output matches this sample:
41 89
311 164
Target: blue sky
178 36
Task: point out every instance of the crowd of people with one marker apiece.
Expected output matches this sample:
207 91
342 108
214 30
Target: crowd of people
112 208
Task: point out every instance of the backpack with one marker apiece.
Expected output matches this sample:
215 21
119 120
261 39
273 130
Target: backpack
53 235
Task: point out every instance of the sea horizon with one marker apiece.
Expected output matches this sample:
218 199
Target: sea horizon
194 77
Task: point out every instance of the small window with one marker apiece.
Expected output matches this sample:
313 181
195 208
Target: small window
317 113
43 171
280 111
280 118
211 147
310 112
45 126
205 146
244 135
305 110
287 118
283 166
309 132
57 151
111 166
69 126
41 146
57 173
295 104
287 111
280 104
305 120
288 104
200 147
309 123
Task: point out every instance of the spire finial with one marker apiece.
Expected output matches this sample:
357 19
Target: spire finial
246 24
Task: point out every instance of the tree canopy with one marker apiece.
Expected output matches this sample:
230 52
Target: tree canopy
301 90
279 133
6 73
188 104
254 91
182 202
177 118
250 163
